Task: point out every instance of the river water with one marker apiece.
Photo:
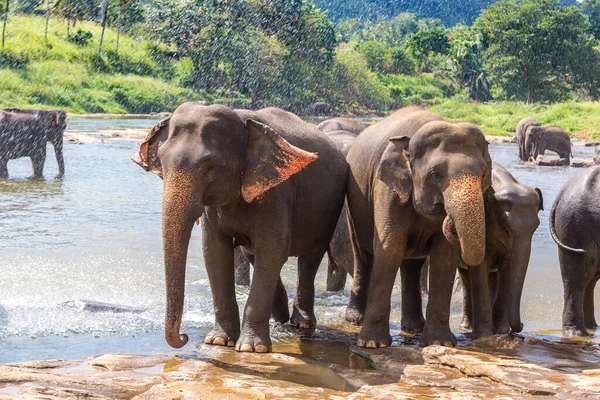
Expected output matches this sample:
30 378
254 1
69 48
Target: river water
96 235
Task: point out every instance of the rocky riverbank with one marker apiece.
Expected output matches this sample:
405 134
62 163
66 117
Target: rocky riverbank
324 365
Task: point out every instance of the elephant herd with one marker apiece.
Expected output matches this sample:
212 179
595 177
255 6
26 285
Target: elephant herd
265 186
25 132
533 140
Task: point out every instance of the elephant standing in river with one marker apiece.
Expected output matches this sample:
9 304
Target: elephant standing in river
511 220
416 188
522 127
574 225
597 156
262 180
541 138
25 132
343 124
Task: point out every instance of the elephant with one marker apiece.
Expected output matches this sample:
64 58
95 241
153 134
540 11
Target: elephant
492 291
24 133
416 188
574 222
343 124
321 109
541 138
522 127
263 180
597 156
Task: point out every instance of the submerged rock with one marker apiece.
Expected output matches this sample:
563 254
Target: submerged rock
544 161
581 163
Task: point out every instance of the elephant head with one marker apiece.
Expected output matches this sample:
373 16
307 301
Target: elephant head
518 219
208 156
445 168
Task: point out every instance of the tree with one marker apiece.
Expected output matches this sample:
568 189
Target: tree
121 9
71 10
592 9
5 20
467 62
104 13
426 43
534 48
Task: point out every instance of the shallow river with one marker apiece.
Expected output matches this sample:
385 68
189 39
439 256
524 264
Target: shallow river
96 235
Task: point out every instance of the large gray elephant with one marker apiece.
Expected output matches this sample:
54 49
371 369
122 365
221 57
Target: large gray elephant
521 132
343 124
416 188
492 291
538 139
25 132
262 180
574 222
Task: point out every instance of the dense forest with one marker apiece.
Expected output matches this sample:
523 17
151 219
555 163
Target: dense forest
121 55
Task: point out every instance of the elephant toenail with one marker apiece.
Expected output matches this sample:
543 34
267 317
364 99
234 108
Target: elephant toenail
261 349
246 348
371 344
219 341
208 340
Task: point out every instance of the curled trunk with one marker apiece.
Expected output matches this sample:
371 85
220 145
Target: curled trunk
465 222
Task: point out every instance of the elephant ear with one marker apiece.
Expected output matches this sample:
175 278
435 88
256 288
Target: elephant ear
394 168
539 192
147 157
270 160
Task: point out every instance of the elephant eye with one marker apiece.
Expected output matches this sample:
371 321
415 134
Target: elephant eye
435 174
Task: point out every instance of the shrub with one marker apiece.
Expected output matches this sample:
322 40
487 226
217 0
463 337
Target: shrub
11 59
80 37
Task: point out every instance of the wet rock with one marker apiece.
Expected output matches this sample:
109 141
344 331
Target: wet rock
124 362
581 163
393 360
499 139
544 161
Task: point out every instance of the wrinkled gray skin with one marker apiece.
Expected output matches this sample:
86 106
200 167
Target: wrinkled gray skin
521 131
492 291
541 138
597 156
343 124
574 222
415 189
254 180
24 133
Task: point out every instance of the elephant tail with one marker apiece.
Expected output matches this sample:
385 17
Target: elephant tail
555 237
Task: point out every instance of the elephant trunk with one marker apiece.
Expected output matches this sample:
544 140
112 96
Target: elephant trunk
518 270
178 221
465 222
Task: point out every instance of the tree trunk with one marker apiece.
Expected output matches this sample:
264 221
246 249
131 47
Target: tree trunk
118 28
6 9
104 12
47 19
68 28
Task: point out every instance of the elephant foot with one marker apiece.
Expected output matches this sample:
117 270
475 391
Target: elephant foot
501 328
591 324
302 319
413 325
438 335
373 338
481 333
218 337
253 341
576 331
354 315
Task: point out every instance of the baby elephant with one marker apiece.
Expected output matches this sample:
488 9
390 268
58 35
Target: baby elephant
492 291
574 222
538 139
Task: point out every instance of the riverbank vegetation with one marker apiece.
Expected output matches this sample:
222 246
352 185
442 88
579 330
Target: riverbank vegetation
490 63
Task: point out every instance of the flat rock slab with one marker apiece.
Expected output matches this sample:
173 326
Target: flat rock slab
544 161
322 366
581 163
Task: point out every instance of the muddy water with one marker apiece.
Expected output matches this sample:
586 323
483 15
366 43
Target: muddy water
95 235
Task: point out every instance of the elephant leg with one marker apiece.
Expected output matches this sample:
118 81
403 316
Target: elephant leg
588 304
58 152
3 168
412 307
242 268
363 266
303 314
37 162
481 303
280 311
500 324
219 266
572 267
269 259
336 276
467 315
425 278
443 261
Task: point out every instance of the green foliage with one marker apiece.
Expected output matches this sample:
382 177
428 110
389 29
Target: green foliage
416 90
466 54
80 37
534 49
10 59
425 44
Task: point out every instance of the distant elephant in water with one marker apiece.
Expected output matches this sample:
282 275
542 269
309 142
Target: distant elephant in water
597 156
321 109
265 181
492 291
24 133
574 222
343 124
522 127
538 139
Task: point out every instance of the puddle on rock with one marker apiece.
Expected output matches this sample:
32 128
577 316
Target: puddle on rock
10 390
